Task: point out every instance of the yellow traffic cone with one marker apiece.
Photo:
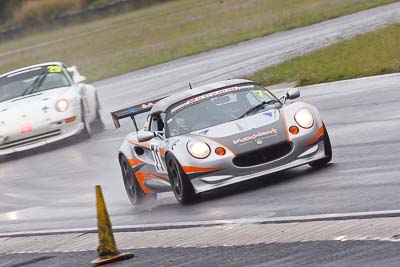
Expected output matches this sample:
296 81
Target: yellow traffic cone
107 248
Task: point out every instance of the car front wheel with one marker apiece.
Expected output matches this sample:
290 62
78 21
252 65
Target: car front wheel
132 187
87 130
181 186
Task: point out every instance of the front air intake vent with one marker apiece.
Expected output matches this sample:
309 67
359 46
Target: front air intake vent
263 155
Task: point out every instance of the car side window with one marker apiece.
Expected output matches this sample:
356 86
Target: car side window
161 121
157 122
153 124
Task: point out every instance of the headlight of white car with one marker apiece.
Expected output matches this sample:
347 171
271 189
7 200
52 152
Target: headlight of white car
198 149
304 118
62 105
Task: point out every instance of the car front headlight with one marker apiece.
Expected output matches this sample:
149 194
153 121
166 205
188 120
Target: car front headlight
304 118
198 149
62 105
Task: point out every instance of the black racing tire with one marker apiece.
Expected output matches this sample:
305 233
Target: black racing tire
135 193
328 152
87 129
180 183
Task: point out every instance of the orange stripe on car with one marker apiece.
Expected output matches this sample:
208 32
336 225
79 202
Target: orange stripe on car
135 162
316 137
286 126
161 176
192 169
144 144
162 152
141 176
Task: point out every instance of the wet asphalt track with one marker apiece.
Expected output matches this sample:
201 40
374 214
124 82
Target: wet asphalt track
329 254
53 187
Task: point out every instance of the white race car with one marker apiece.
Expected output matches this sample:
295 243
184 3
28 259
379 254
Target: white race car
45 103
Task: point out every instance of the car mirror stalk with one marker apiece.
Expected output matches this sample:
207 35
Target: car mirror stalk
159 134
79 79
290 94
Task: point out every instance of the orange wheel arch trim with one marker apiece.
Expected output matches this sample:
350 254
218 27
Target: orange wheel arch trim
316 137
192 169
286 125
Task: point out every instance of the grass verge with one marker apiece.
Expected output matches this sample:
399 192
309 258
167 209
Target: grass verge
369 54
137 39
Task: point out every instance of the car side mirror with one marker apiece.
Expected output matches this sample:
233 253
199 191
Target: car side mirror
79 79
293 93
145 136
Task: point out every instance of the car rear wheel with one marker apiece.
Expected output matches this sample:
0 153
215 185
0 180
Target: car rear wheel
181 186
132 187
98 122
328 152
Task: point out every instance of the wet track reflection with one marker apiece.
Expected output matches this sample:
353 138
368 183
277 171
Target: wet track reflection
53 187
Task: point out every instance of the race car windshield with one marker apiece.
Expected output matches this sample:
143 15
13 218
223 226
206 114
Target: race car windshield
32 81
218 107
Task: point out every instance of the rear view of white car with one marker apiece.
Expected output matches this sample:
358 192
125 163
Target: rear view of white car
45 103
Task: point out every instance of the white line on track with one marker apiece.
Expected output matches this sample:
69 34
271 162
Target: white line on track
368 229
178 225
367 238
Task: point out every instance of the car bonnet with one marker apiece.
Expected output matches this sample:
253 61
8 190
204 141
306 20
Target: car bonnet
249 133
29 107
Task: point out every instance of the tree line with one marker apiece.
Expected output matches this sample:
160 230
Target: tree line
7 7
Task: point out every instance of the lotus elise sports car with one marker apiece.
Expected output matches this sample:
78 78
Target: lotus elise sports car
44 103
216 135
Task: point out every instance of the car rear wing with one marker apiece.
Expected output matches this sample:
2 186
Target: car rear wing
131 112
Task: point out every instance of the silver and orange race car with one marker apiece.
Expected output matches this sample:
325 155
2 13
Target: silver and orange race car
216 135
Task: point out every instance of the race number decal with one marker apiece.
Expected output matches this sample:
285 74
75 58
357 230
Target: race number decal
158 164
259 92
262 92
54 69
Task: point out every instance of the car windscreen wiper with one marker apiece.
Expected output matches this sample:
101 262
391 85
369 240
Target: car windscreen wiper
36 83
258 107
